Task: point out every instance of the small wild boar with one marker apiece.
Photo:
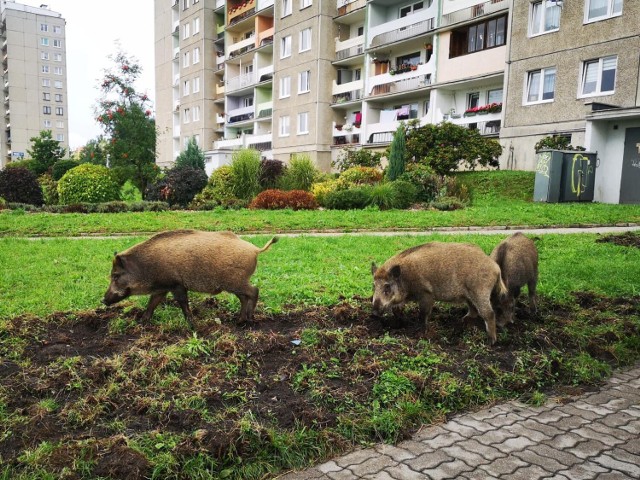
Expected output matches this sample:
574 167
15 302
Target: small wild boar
451 272
187 260
517 257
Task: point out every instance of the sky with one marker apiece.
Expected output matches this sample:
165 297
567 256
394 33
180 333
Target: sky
92 30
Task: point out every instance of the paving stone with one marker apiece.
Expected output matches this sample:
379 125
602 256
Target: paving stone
485 451
429 433
633 411
467 456
584 471
632 446
530 472
344 474
329 466
548 430
626 391
373 465
565 457
556 476
396 453
569 423
618 419
514 444
589 414
494 437
503 466
379 476
550 416
416 448
428 460
589 433
403 472
632 427
619 433
478 474
534 435
476 424
597 409
356 457
589 448
613 476
623 456
609 462
464 430
505 420
448 470
444 440
531 457
487 413
309 474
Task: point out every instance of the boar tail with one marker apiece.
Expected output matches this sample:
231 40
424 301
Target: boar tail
268 244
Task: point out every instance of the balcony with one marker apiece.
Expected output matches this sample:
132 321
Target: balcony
240 115
347 92
487 124
347 134
387 83
219 88
241 11
241 81
261 142
263 4
219 4
403 32
389 121
349 48
242 47
475 11
219 119
228 144
345 8
265 74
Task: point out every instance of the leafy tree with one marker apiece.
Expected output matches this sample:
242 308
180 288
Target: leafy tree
397 154
192 156
445 147
125 116
95 151
45 151
356 157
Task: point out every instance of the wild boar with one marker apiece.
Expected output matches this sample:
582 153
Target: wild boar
451 272
187 260
517 257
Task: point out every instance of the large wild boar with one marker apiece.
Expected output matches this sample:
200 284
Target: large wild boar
451 272
187 260
517 257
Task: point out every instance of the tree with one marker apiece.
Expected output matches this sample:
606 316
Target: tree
192 156
125 116
45 151
445 147
95 151
397 154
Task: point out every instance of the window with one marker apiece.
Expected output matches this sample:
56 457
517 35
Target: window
46 110
58 83
59 123
186 115
196 85
57 29
47 123
599 76
247 101
57 43
46 96
284 126
196 113
285 87
473 99
285 47
196 25
186 30
304 82
544 17
44 27
303 123
45 68
541 86
185 60
410 9
185 4
44 41
411 59
602 9
44 55
196 55
357 74
185 88
286 7
57 70
360 31
478 37
305 40
57 57
305 3
60 137
59 111
494 96
46 82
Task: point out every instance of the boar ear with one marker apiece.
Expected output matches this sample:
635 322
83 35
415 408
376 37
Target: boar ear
374 268
395 271
119 261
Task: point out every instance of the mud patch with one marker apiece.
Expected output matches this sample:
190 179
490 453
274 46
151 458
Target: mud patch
627 239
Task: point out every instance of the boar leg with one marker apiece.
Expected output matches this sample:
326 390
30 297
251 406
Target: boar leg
533 304
426 305
154 300
489 317
182 297
471 314
248 298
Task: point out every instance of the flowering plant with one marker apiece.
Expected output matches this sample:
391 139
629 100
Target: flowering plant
490 108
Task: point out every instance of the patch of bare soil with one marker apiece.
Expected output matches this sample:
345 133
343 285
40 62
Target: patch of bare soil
627 239
299 369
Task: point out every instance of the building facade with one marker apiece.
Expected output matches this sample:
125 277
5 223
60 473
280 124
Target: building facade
34 78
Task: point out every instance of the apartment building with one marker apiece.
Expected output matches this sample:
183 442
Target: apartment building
312 76
34 77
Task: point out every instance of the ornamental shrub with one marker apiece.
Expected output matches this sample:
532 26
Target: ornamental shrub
88 183
356 157
556 142
447 203
270 173
27 163
406 194
179 187
279 199
245 167
218 190
49 189
360 176
300 174
397 154
321 189
424 179
61 167
130 193
354 198
20 185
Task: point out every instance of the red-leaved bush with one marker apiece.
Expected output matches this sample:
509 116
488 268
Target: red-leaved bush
278 199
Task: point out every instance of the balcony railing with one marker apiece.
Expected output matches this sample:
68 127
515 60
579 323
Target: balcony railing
403 85
344 7
403 33
350 52
241 81
475 11
265 113
241 47
347 96
240 12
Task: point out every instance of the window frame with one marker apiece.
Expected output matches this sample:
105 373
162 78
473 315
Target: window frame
305 32
598 92
284 126
610 13
57 43
301 75
44 41
60 111
287 8
460 40
544 6
196 26
195 117
57 71
195 88
285 46
285 82
306 123
196 56
185 87
46 110
305 4
543 72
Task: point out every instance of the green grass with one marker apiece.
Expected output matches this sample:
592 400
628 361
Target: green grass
44 276
499 198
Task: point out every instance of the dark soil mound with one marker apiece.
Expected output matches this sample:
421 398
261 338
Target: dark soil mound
627 239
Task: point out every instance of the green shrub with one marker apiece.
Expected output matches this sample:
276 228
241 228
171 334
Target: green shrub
556 142
112 207
351 199
191 156
3 204
49 189
61 167
356 157
26 163
360 176
397 154
447 203
300 174
20 185
88 183
130 193
184 184
219 189
424 179
453 187
245 168
321 189
382 196
405 194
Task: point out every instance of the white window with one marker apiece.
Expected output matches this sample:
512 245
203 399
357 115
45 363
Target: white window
44 55
305 3
57 70
602 9
45 68
185 60
186 116
60 137
196 137
59 111
47 123
599 76
541 85
284 126
46 110
185 4
285 87
411 9
286 7
57 29
544 17
185 88
494 96
58 84
196 113
196 55
186 30
46 82
304 81
247 101
196 85
59 123
303 123
57 43
44 27
196 25
305 40
57 57
285 47
46 96
44 41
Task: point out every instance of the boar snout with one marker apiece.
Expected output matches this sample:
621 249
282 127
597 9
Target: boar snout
111 297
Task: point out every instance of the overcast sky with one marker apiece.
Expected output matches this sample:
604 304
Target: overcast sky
93 27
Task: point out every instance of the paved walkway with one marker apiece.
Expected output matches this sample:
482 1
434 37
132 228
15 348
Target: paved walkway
596 435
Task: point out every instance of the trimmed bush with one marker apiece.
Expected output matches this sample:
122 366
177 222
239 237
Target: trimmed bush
322 189
61 167
49 189
279 199
20 185
447 203
219 189
88 183
270 173
352 199
405 194
424 179
130 193
179 187
112 207
300 174
27 163
360 176
245 167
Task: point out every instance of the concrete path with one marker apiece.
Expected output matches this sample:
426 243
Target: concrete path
596 435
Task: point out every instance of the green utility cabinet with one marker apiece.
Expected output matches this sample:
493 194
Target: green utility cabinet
564 176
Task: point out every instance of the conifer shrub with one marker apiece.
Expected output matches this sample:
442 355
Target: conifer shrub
20 185
88 183
278 199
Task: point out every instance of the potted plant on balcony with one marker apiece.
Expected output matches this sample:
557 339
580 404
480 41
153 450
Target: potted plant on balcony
348 127
414 68
392 72
471 112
